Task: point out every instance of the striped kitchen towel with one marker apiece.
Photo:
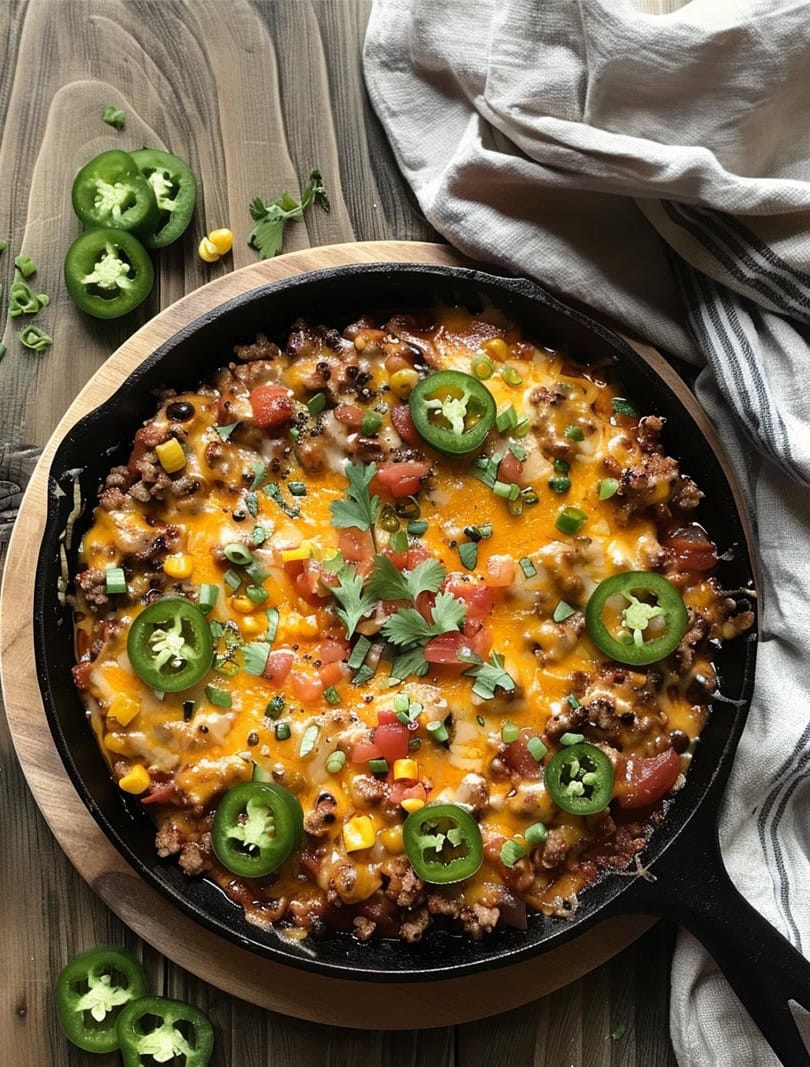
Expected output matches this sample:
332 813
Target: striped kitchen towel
651 158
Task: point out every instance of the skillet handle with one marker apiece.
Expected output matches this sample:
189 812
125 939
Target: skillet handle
761 966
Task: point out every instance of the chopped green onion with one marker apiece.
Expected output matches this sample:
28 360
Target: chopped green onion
518 451
536 834
560 484
527 567
398 541
316 404
115 581
371 423
574 433
562 466
417 527
25 265
256 572
563 611
507 490
220 697
506 419
259 535
295 433
482 367
283 731
401 702
438 732
572 700
208 597
331 695
536 748
529 497
569 739
34 338
378 766
308 740
359 653
336 762
275 708
511 852
297 488
570 520
522 428
232 579
114 116
188 709
622 406
515 507
479 533
225 666
485 469
257 593
608 487
511 375
509 733
364 675
272 625
226 431
236 552
259 475
468 554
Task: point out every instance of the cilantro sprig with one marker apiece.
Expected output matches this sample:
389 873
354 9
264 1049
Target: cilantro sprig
359 508
387 583
489 676
267 236
354 600
408 626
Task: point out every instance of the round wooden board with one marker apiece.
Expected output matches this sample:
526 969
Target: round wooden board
170 931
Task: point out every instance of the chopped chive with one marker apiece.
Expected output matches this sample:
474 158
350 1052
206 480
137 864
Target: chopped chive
236 552
371 423
275 708
511 852
417 527
512 376
259 475
468 554
574 433
507 490
252 504
220 697
188 709
479 533
398 541
378 766
562 466
506 419
509 733
570 520
363 675
359 653
283 731
536 748
482 367
297 488
257 593
25 265
336 762
529 497
316 404
608 487
438 732
573 702
331 695
115 581
527 567
569 739
536 834
560 484
34 338
404 718
309 739
232 579
259 535
622 406
226 431
272 625
208 597
563 611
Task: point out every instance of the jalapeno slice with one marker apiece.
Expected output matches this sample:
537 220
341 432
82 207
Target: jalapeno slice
443 843
257 826
111 192
175 190
643 632
91 992
452 411
170 645
159 1030
579 779
108 273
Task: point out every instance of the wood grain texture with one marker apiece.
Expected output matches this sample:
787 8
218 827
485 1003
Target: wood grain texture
253 95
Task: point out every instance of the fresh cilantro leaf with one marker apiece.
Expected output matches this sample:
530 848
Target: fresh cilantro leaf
267 236
255 657
408 626
407 663
259 475
354 601
489 677
358 509
226 431
334 563
448 613
387 583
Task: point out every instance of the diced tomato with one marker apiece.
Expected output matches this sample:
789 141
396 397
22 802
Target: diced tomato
278 666
412 557
690 547
480 599
518 758
81 675
446 648
331 674
332 650
272 406
500 571
647 778
306 687
407 790
385 718
399 479
350 415
403 424
363 751
309 583
391 738
424 605
479 637
356 545
511 470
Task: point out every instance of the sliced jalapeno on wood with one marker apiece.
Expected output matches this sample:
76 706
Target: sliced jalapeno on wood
175 190
111 192
91 992
647 628
108 273
257 826
443 843
579 779
170 645
159 1030
452 411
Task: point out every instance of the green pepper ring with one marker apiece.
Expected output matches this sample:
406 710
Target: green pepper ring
186 632
151 160
475 398
288 828
88 969
434 871
83 258
602 787
631 582
119 173
136 1041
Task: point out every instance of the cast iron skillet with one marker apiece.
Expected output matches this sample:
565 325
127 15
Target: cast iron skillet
691 886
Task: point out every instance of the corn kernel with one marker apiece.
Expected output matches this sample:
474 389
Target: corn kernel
221 239
413 804
136 781
207 251
171 455
392 840
244 605
123 709
253 624
403 382
304 551
116 744
179 566
405 768
358 833
496 347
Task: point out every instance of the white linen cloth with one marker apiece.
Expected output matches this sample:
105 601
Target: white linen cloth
651 158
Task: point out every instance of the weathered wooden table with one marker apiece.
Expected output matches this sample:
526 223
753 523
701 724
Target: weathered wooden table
253 95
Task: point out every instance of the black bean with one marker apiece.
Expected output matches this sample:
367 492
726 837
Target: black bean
180 411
